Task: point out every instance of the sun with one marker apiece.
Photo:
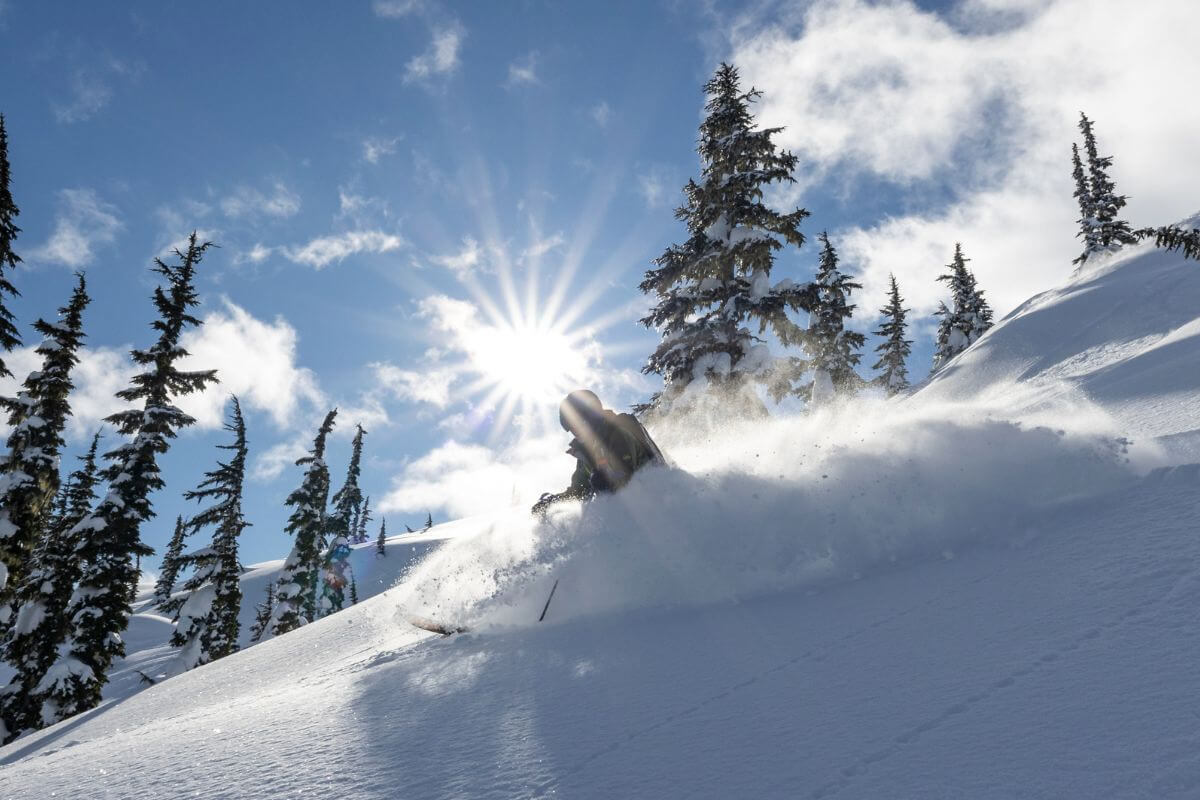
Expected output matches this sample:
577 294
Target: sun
534 363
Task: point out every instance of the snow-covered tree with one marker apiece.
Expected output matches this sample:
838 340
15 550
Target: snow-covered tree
110 535
833 349
714 287
171 563
1087 215
969 315
206 613
9 337
263 612
361 521
428 520
894 349
348 499
1102 228
1172 237
37 416
343 523
41 621
295 594
353 591
381 540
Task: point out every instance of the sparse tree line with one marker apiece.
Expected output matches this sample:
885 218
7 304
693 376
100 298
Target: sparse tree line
70 550
716 301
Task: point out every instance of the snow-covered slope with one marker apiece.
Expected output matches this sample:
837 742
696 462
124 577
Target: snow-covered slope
935 597
1122 333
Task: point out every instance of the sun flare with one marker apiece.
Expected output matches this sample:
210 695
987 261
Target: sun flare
536 364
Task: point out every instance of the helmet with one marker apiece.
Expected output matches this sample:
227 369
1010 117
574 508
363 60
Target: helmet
577 405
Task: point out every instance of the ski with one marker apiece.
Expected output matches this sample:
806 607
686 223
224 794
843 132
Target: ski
436 627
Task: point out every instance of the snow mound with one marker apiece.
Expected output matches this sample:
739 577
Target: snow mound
779 505
1121 333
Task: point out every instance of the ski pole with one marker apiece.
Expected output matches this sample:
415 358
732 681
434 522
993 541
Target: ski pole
548 599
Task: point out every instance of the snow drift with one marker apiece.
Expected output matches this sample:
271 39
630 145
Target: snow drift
779 505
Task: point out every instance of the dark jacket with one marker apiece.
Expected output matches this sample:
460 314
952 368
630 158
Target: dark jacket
606 455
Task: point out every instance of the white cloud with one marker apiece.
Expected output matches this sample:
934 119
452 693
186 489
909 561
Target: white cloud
465 261
83 221
255 360
256 254
396 9
89 94
523 70
601 113
324 250
430 385
898 94
99 375
375 148
270 463
467 479
656 186
246 201
542 245
441 58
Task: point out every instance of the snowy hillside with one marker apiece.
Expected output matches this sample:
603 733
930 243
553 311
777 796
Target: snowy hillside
1122 334
986 590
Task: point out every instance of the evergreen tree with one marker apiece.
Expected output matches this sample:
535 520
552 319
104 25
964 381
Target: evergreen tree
347 503
428 520
295 595
41 621
833 349
381 542
171 563
9 336
36 418
348 499
206 614
353 590
894 349
263 614
408 528
363 518
718 282
1087 215
1109 231
100 607
969 317
1171 238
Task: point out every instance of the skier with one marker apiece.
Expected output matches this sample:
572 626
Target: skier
608 448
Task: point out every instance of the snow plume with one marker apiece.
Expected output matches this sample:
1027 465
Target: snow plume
763 507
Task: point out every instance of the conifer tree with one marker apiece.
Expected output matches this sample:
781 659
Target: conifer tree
833 349
171 563
9 336
343 523
348 499
353 590
100 607
969 317
712 288
428 520
37 417
381 541
1087 215
263 614
41 621
894 349
206 614
295 594
1108 230
408 528
1172 238
362 519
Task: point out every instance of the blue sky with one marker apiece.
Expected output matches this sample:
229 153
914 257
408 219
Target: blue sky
410 195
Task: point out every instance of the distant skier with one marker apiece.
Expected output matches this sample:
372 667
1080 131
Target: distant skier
608 448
